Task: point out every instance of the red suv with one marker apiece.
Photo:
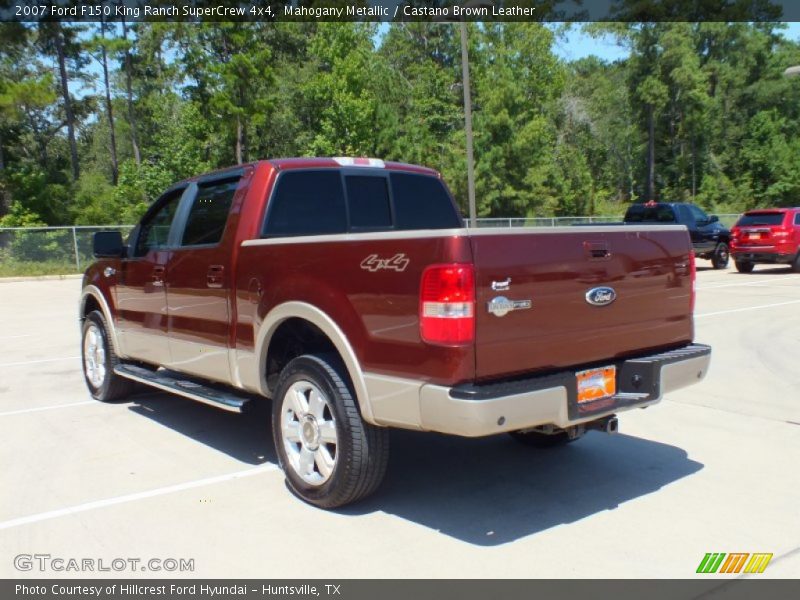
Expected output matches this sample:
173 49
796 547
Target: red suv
767 236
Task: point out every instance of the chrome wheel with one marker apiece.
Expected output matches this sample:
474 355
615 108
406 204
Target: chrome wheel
94 356
308 429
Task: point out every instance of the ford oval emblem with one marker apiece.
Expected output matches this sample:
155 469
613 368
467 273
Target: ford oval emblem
601 296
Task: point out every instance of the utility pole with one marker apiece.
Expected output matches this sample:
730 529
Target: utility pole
473 217
473 213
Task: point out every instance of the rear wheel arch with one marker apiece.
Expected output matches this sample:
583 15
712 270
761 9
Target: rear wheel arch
293 337
291 317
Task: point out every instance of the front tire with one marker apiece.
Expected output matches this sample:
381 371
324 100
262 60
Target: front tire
721 256
796 263
744 266
99 360
329 454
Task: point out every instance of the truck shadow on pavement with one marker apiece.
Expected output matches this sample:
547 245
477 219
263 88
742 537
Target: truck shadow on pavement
488 491
247 438
494 490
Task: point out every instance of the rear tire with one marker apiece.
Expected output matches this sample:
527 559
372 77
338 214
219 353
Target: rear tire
542 440
744 266
796 263
329 454
99 360
721 256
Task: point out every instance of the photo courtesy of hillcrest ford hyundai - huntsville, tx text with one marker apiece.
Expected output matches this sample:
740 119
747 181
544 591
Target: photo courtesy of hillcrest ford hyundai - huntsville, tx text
348 292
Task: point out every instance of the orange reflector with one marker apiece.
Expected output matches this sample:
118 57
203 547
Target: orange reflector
596 384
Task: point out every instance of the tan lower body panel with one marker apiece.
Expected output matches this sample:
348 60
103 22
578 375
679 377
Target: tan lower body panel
409 404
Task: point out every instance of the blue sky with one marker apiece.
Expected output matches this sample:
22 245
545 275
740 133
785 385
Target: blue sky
572 46
577 44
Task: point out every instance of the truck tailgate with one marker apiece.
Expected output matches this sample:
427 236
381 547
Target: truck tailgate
556 268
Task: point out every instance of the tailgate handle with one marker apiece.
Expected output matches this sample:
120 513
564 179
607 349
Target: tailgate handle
596 250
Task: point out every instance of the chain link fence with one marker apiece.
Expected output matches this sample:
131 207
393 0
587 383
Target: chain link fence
726 219
65 250
542 221
49 250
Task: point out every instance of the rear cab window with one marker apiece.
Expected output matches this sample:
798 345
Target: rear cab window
422 202
368 202
330 201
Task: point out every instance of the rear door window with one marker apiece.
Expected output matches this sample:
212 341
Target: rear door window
209 213
307 203
797 219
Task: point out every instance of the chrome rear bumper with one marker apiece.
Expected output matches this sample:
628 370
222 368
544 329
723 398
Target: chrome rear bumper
480 410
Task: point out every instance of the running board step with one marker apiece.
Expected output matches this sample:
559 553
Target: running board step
194 389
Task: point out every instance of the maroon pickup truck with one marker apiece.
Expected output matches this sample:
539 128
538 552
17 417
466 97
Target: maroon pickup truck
349 293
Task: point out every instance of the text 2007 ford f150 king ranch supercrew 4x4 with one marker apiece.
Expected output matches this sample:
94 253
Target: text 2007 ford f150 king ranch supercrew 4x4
348 292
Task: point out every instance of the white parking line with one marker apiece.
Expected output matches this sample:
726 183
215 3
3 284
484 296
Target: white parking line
71 510
34 362
14 337
749 283
736 310
41 408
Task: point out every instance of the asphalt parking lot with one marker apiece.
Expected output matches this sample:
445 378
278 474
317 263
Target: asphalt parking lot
712 468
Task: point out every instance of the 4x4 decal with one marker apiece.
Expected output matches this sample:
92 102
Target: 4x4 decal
398 263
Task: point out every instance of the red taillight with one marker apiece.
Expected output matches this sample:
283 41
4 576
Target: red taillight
693 275
447 304
781 233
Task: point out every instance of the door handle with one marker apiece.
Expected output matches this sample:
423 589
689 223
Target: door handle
158 275
214 276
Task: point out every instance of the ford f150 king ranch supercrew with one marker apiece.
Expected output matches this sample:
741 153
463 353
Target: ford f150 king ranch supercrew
348 292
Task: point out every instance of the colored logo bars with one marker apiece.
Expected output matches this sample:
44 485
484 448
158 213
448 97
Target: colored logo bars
716 562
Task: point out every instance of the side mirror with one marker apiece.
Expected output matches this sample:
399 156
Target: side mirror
713 219
108 244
